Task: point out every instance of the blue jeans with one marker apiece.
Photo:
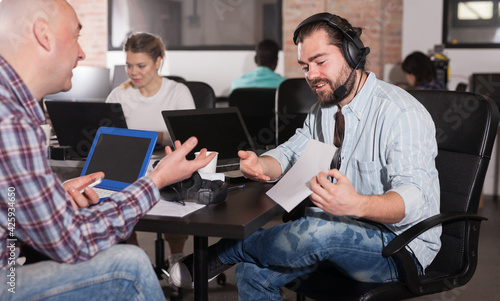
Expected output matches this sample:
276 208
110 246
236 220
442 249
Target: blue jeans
274 257
122 272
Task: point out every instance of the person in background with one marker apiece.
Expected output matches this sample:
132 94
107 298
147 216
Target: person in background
383 178
266 58
144 96
420 72
39 48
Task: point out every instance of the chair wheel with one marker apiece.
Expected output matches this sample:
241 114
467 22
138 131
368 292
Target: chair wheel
221 279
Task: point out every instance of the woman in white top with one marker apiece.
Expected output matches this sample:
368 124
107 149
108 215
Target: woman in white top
146 94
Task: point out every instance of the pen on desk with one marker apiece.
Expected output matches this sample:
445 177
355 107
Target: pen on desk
236 187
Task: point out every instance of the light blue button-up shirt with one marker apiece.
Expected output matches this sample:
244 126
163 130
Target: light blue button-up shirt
389 145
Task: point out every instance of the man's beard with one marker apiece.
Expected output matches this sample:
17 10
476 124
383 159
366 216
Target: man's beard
327 98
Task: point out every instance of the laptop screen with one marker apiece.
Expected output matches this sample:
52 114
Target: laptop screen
122 154
76 123
220 129
117 164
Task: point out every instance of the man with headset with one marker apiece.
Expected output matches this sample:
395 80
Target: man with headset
383 178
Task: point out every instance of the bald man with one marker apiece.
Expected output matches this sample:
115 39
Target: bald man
38 50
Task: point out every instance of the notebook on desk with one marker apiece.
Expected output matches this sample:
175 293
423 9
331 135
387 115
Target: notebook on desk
75 123
218 129
122 154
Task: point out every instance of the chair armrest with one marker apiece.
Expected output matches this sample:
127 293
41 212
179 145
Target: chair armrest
396 248
404 238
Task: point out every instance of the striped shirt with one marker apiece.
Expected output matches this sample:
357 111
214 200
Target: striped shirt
389 145
34 206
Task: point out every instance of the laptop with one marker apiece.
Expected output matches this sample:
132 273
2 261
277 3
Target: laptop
75 123
217 129
122 154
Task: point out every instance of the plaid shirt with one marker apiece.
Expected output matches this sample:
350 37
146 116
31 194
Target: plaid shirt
34 206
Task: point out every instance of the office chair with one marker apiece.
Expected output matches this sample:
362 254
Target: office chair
257 107
203 94
465 144
176 78
487 84
294 98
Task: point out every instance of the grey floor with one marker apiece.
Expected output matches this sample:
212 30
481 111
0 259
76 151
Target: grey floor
484 286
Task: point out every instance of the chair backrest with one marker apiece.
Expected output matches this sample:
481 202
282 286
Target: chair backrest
203 94
487 84
466 126
294 98
176 78
257 107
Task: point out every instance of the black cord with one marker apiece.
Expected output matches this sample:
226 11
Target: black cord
179 197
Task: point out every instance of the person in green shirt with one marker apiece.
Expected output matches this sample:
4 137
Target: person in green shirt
263 76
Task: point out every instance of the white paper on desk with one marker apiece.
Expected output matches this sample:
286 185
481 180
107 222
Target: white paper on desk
294 186
166 208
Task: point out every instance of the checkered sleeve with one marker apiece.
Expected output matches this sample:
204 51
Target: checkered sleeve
45 218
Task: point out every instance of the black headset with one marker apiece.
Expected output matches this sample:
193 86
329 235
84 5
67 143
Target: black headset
197 189
353 49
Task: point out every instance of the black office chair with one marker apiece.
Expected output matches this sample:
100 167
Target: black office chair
176 78
257 107
487 84
294 98
203 94
465 142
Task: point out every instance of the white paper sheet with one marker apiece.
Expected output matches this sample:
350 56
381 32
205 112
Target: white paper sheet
294 185
165 208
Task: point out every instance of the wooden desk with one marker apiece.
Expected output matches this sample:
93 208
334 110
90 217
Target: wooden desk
245 211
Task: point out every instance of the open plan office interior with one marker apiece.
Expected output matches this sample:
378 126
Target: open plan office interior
471 63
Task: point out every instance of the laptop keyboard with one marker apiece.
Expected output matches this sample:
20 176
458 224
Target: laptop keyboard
103 193
233 174
228 167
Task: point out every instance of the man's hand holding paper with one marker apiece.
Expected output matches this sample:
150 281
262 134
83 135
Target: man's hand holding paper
295 184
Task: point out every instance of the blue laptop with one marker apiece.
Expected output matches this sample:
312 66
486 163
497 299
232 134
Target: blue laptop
122 154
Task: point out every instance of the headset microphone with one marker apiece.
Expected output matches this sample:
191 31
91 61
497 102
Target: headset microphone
342 90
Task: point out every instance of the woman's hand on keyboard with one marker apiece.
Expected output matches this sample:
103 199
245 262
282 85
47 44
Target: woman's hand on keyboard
88 197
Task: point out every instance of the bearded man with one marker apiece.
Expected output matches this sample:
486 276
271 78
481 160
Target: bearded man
383 178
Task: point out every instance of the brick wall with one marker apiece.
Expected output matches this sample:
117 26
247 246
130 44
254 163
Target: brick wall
93 15
380 19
